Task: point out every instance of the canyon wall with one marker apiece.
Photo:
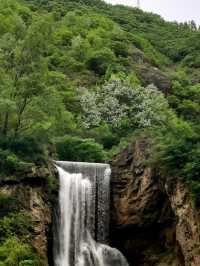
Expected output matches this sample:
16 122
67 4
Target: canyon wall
153 221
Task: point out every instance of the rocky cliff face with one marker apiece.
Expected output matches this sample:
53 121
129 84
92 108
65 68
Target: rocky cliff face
153 220
31 194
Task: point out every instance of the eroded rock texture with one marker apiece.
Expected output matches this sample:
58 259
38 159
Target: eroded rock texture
31 194
153 221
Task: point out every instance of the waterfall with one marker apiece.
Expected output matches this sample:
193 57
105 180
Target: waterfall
83 220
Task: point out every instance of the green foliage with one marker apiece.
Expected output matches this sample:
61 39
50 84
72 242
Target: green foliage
15 230
14 252
16 224
72 71
100 61
77 149
195 191
53 187
172 40
7 204
49 48
185 100
177 154
70 77
173 146
143 44
105 135
26 147
10 163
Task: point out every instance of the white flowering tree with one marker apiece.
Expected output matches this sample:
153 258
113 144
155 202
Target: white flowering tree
118 101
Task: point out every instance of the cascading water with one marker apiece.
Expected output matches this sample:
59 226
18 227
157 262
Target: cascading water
84 216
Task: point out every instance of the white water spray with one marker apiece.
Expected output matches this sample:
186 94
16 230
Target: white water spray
84 216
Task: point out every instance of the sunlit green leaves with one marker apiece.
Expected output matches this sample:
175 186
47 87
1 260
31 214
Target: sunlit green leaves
13 252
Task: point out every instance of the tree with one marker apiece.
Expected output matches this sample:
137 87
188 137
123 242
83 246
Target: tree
117 101
78 149
28 101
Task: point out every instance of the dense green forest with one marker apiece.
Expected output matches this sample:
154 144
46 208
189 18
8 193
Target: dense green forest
79 80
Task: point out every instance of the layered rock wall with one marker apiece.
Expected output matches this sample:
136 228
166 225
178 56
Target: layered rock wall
153 219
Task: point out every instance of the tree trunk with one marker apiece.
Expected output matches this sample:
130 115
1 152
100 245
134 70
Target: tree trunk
19 117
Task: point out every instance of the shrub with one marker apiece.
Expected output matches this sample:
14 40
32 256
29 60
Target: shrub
26 147
77 149
177 154
13 252
100 61
154 55
10 163
7 204
104 134
15 224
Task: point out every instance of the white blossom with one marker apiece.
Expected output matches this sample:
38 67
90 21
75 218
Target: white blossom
118 100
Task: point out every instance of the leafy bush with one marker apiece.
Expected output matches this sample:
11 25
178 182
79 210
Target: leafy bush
10 163
13 252
173 146
177 154
100 61
104 135
15 224
155 56
7 204
77 149
24 146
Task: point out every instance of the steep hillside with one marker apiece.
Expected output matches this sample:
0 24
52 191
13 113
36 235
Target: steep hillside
80 80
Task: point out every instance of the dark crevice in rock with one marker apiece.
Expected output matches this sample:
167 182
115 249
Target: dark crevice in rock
153 237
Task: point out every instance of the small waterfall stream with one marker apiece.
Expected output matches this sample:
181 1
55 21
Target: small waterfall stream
83 221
